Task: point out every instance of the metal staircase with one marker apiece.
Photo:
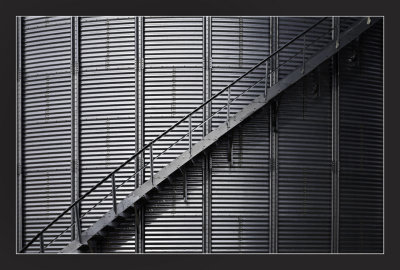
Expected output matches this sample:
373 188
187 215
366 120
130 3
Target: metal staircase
121 209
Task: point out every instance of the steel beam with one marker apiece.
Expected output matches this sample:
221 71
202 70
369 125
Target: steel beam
215 135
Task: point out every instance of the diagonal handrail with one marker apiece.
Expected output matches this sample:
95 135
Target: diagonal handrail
149 145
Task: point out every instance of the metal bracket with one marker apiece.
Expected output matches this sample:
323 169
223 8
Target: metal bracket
230 150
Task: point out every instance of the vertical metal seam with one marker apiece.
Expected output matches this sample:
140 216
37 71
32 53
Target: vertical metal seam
137 160
276 157
335 144
139 126
209 157
142 126
72 70
75 135
204 173
273 231
20 238
271 211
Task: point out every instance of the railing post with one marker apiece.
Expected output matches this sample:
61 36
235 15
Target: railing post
337 32
304 51
229 107
78 222
151 163
190 134
41 244
114 194
266 79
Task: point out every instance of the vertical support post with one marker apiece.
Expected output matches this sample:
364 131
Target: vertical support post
185 185
114 195
41 243
209 77
75 111
20 220
337 31
78 223
335 145
228 113
151 164
190 135
230 149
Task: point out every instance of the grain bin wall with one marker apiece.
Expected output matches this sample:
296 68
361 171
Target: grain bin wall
137 76
46 125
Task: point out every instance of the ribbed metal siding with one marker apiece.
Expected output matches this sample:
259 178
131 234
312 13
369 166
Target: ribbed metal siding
237 44
173 87
173 83
240 193
288 28
120 239
171 224
46 127
346 22
107 96
304 166
361 144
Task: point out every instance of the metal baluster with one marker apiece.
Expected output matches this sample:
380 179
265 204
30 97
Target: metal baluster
228 105
114 194
41 244
304 50
337 29
78 222
190 134
151 163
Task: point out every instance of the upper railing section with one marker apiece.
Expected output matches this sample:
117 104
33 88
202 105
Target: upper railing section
226 103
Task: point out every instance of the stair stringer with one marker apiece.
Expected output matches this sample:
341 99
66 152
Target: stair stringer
332 48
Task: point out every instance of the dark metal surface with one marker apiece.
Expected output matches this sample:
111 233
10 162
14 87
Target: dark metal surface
361 143
240 192
289 27
304 156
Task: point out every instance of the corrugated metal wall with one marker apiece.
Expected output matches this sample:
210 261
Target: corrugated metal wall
240 191
288 28
173 81
107 111
361 143
171 224
304 165
173 87
173 51
237 44
46 126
